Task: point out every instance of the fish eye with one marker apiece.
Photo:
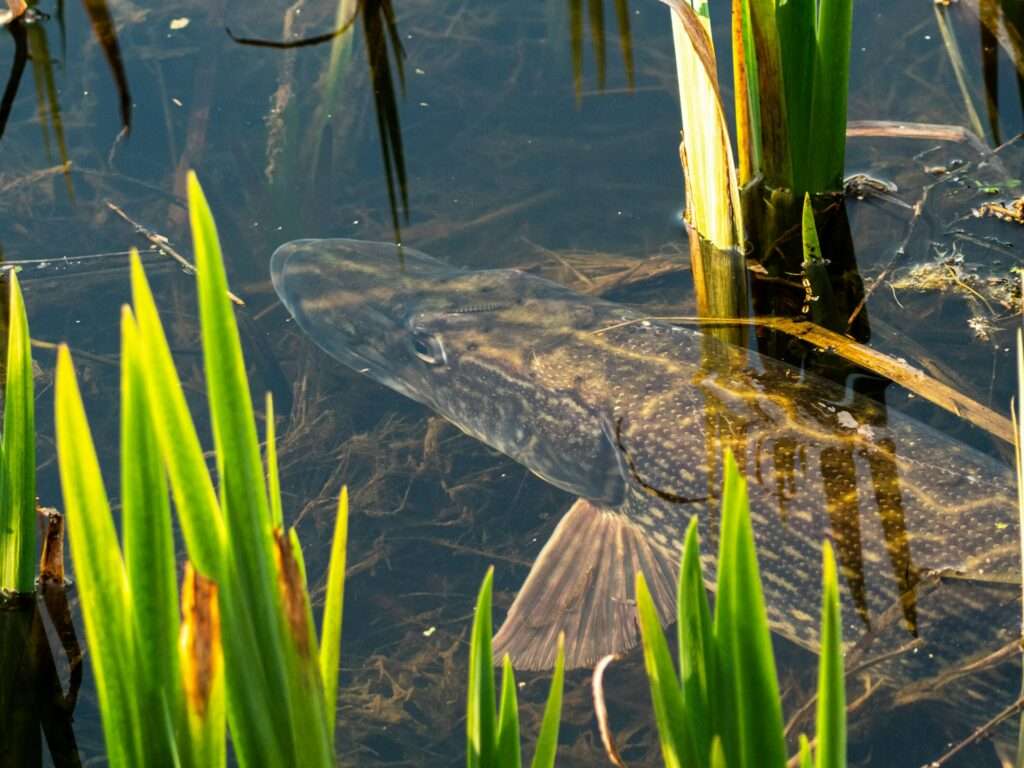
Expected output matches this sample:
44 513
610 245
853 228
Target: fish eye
428 348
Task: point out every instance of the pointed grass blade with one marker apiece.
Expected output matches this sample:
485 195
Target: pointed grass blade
508 753
717 754
678 743
827 135
547 741
330 629
234 430
255 730
481 727
805 752
819 302
18 455
273 476
146 526
243 495
201 520
752 716
99 573
696 644
831 723
776 163
796 22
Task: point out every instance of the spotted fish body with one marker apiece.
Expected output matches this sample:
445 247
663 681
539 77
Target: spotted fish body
633 415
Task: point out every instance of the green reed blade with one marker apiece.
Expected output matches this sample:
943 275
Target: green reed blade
508 754
751 719
312 730
776 162
247 513
796 23
696 644
678 742
330 629
18 455
481 729
273 476
234 431
831 724
255 730
201 520
820 302
547 741
148 537
805 752
827 135
717 754
101 579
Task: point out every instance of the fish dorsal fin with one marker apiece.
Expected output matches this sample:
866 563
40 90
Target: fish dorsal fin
582 584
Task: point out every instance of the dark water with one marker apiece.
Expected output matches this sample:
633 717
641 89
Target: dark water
506 165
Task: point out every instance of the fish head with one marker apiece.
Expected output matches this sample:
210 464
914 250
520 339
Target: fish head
475 346
414 323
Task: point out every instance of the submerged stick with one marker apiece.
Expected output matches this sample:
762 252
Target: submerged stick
163 245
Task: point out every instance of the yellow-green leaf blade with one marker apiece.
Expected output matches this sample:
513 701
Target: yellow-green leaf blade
334 607
831 716
99 572
752 716
481 728
678 746
547 741
18 456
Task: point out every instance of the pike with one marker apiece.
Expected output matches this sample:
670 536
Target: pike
632 416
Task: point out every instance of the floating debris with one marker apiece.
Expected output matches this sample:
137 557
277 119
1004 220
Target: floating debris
1012 212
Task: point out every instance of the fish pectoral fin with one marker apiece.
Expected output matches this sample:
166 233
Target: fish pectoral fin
582 584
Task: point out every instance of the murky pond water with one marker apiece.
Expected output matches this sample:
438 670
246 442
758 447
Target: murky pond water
507 163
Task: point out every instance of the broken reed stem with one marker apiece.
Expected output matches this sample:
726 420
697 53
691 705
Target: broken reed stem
163 245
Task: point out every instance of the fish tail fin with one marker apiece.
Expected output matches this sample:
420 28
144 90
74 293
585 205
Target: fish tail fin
582 584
